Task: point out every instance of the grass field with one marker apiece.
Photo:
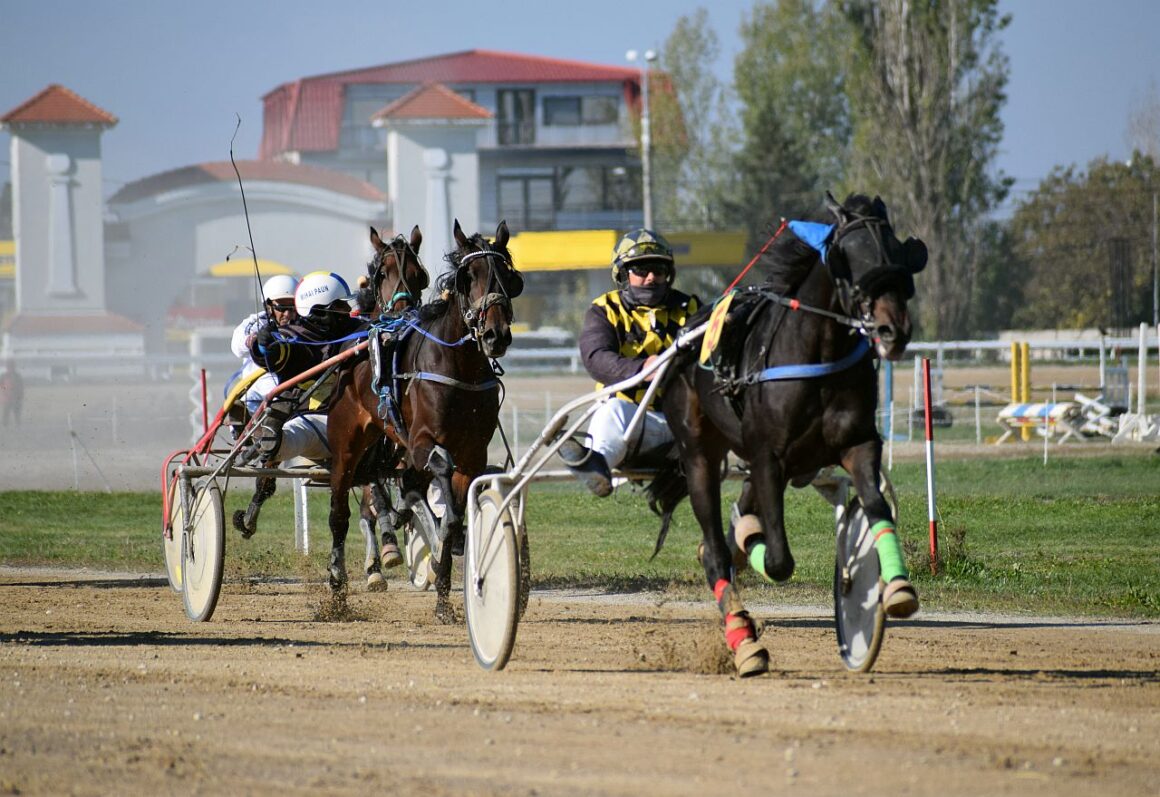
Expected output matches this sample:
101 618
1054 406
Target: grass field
1076 537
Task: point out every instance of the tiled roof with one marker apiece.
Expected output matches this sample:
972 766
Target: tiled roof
305 115
251 171
432 101
58 105
482 66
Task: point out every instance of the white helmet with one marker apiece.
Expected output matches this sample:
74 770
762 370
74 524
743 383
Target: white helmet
319 289
279 287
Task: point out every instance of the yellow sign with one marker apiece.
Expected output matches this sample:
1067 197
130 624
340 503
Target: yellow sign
716 325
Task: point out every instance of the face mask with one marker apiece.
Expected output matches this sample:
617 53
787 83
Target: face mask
647 295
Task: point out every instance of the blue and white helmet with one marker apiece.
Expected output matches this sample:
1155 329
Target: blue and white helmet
320 289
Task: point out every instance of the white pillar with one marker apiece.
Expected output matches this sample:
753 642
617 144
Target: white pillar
437 224
61 249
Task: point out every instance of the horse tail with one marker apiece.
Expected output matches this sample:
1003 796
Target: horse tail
665 493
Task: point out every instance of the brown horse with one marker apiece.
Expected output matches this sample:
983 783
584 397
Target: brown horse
794 390
430 414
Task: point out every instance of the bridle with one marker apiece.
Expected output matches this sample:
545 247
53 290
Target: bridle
857 297
399 247
476 310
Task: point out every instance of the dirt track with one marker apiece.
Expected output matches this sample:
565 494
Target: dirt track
105 688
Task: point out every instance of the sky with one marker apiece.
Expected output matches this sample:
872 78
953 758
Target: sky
178 75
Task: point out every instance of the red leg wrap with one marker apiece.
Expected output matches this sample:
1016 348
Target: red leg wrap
738 629
719 588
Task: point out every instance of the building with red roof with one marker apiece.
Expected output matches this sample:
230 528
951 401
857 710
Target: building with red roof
553 139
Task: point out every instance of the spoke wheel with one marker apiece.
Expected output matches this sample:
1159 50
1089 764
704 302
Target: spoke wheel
491 582
171 545
859 619
203 553
416 552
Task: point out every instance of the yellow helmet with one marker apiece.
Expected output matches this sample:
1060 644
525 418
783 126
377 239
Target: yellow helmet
637 245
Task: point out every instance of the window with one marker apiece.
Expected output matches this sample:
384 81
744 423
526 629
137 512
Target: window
527 202
561 111
573 111
516 116
596 188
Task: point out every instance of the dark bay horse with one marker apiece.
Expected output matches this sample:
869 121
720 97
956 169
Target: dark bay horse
794 389
436 407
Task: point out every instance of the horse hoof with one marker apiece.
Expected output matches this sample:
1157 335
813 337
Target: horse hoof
390 556
751 659
445 614
376 583
899 599
239 519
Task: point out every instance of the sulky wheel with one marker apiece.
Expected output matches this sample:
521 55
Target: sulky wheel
859 618
203 552
422 526
171 544
491 582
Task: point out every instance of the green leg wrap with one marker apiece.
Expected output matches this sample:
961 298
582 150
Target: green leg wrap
757 560
890 559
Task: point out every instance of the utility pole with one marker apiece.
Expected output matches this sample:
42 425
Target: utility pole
645 133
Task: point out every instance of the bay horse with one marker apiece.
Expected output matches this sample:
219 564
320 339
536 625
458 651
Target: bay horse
435 408
794 389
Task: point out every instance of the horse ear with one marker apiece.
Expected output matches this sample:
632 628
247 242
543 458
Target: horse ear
833 206
416 238
880 208
376 241
502 235
460 238
914 250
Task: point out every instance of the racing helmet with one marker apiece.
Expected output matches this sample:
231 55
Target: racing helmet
319 289
277 287
639 245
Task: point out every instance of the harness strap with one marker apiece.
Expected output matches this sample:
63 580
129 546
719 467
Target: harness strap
811 371
429 376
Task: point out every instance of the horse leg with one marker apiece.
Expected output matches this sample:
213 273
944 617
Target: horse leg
246 521
864 463
769 553
339 523
374 571
382 515
749 657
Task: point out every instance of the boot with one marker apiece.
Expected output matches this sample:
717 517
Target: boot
589 467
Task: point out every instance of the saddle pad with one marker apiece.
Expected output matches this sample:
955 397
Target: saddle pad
238 388
716 325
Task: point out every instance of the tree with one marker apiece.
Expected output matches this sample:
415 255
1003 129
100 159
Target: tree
794 115
691 174
926 83
1086 239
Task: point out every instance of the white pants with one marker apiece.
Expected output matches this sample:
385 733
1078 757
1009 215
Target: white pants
304 436
609 424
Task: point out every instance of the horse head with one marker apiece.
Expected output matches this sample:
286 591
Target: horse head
485 281
397 277
874 271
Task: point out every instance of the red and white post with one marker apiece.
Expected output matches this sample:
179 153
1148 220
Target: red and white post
930 513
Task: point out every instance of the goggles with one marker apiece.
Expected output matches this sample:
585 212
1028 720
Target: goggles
650 267
282 307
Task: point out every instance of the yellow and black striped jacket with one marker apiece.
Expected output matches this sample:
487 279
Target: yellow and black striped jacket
618 337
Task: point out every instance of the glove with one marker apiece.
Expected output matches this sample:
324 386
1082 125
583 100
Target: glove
265 338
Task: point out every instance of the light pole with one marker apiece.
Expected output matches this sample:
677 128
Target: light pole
645 134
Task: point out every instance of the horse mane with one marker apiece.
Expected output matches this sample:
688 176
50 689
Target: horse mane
789 259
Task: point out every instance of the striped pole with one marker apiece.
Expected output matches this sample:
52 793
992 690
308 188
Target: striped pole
930 467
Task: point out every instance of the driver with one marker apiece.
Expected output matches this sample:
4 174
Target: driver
322 301
624 331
